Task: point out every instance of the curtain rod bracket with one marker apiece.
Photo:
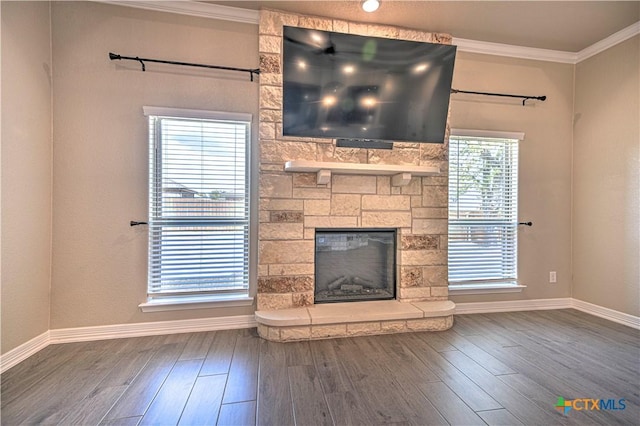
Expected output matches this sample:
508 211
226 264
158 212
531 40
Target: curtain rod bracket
255 71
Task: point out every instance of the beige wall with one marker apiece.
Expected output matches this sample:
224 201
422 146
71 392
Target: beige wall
100 159
606 176
99 270
544 161
26 171
100 144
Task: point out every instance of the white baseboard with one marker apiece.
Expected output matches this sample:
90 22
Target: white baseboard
606 313
542 304
117 331
104 332
24 351
513 306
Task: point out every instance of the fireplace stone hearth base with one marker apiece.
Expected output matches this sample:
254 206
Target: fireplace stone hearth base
354 319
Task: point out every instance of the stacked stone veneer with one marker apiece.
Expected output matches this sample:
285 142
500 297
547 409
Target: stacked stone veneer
364 328
293 205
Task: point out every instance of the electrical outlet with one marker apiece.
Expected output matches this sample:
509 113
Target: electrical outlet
552 277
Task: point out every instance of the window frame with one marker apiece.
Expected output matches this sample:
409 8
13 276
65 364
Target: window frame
489 286
206 299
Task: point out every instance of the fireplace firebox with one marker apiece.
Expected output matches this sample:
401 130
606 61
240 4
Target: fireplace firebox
355 265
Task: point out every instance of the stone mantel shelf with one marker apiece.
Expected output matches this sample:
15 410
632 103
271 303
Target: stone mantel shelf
402 174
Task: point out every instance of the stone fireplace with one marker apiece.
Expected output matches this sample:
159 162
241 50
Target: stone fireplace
294 205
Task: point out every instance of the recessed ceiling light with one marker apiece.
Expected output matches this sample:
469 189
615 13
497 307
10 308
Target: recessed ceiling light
370 5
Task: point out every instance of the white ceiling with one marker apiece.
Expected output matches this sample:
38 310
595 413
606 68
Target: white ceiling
569 26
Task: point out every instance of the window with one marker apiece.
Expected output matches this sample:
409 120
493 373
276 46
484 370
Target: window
198 203
483 210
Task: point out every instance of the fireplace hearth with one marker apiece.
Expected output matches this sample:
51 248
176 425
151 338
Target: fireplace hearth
354 265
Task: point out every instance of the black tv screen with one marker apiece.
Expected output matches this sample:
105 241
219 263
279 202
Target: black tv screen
355 87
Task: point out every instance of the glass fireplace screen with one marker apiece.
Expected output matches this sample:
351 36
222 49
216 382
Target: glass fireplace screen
355 265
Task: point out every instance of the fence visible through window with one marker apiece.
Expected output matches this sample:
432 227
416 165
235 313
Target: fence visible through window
198 206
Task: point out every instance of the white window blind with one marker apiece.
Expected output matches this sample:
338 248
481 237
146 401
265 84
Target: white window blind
483 210
198 205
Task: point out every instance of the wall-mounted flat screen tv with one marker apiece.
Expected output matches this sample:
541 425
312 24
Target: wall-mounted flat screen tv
354 87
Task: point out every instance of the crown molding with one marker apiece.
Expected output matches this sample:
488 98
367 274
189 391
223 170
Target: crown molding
498 49
511 51
248 16
604 44
193 8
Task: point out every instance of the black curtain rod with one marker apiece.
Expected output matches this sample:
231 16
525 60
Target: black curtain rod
251 71
523 97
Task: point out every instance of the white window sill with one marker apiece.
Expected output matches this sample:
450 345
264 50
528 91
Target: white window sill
196 302
459 289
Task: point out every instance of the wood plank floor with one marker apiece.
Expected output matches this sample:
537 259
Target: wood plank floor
495 369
